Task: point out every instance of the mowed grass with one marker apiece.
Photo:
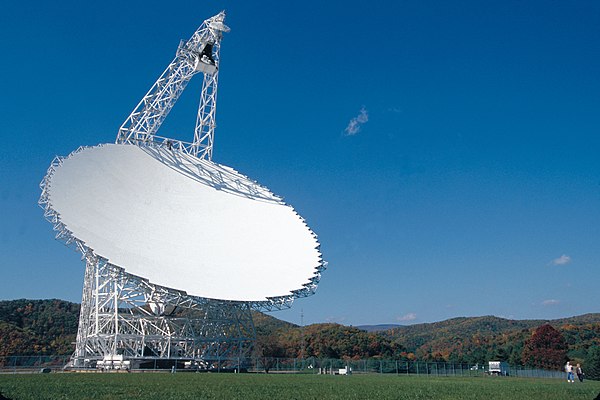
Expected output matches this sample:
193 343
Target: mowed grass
183 386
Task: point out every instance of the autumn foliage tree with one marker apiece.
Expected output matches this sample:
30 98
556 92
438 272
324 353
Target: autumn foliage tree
268 348
592 364
546 348
339 341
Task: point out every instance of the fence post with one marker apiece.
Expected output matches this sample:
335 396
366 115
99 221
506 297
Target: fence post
397 372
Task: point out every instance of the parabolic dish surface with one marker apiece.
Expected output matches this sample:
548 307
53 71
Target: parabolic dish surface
183 223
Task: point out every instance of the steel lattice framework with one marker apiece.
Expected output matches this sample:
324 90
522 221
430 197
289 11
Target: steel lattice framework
127 321
127 316
199 54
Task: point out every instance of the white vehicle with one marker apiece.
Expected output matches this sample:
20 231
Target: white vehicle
498 368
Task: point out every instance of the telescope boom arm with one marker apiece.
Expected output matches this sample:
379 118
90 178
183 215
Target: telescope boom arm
199 54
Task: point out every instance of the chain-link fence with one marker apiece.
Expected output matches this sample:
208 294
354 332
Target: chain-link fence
23 364
32 363
379 366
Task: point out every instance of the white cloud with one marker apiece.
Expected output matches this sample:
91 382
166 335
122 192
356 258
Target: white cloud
550 302
407 317
562 260
355 123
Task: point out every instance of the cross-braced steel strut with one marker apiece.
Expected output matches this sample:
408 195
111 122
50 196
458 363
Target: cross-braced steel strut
199 54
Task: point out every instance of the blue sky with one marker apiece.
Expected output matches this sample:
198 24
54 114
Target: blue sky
446 153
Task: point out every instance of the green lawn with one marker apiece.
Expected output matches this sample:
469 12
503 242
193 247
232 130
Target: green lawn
184 386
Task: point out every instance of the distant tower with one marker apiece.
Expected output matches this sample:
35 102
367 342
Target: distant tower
302 344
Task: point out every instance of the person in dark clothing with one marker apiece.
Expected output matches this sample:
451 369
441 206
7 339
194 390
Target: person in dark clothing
579 372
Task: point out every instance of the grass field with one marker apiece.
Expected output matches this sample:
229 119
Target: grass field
183 386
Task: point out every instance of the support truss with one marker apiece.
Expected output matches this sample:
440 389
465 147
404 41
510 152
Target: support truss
204 133
126 319
199 54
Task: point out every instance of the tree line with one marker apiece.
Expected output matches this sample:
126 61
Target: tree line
49 327
543 347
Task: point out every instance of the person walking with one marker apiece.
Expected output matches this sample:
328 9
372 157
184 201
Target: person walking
569 371
579 372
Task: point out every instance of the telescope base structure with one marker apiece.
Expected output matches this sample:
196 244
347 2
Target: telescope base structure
128 323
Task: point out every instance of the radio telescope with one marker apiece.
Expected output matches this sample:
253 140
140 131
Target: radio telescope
178 248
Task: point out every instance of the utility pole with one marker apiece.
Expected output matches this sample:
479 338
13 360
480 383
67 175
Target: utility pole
302 334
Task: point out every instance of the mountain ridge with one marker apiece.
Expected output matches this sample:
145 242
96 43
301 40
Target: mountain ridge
44 327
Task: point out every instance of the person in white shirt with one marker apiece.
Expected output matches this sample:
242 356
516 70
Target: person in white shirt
569 371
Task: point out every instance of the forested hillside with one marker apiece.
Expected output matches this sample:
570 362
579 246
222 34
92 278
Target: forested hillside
478 339
40 327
